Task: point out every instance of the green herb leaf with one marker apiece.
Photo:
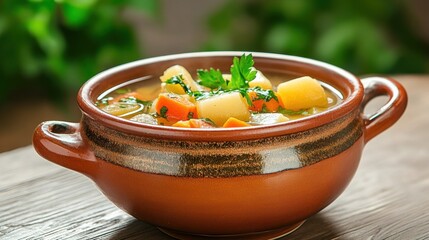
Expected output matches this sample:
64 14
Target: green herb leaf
163 112
264 94
211 78
198 95
190 115
292 112
122 91
245 94
242 72
103 101
179 80
133 100
209 121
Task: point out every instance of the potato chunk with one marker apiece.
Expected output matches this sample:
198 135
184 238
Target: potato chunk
260 81
220 107
178 70
302 93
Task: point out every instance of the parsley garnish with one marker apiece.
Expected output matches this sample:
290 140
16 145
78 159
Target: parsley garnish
134 100
104 101
209 121
242 72
190 115
197 94
122 90
212 78
179 80
264 94
163 112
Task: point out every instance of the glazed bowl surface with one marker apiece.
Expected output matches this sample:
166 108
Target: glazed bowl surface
257 182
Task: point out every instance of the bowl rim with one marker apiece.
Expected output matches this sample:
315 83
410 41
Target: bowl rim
89 109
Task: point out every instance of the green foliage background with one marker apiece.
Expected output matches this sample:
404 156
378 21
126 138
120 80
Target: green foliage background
53 46
364 36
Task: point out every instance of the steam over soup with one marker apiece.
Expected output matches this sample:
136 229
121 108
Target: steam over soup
242 98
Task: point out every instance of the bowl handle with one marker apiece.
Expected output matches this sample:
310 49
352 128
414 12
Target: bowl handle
61 143
390 112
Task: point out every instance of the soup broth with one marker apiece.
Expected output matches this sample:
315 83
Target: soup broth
212 99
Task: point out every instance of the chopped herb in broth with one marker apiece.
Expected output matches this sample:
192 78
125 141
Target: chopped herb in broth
242 98
123 90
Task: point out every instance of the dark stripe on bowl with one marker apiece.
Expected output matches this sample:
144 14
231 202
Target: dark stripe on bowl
223 159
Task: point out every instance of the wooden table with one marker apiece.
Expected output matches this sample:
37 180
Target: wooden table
387 199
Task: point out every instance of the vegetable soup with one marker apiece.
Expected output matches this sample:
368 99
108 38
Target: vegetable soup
210 98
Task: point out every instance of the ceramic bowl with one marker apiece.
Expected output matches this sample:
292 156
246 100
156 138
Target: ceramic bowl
258 182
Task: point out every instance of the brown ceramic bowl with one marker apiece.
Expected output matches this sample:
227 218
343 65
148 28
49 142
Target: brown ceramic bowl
259 182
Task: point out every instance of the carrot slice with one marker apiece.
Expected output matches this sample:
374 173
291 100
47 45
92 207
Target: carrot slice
174 107
258 104
234 122
279 97
272 105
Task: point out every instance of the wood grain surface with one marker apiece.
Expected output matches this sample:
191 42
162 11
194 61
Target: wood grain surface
387 199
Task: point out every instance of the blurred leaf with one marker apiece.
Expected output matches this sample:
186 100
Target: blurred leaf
299 10
31 64
222 20
4 24
53 46
334 45
77 12
150 7
220 41
287 38
38 24
360 36
375 52
41 27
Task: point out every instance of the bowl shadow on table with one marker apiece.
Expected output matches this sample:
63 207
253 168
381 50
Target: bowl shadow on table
316 227
136 229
